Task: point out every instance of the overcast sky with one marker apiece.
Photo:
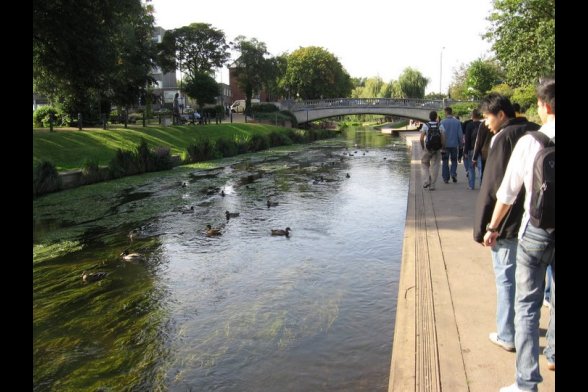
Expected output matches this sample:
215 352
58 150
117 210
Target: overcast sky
369 37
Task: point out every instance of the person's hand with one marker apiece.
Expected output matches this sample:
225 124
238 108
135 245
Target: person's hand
490 238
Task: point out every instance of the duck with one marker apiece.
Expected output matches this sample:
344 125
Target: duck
210 232
222 193
188 210
285 232
126 256
347 175
271 203
93 276
230 215
133 234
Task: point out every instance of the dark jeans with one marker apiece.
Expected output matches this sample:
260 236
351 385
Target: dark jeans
450 153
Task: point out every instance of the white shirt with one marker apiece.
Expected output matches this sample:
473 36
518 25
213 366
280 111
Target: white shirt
519 171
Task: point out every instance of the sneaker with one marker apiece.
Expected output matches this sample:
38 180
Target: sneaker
454 178
432 188
551 366
469 188
426 185
513 388
446 181
494 339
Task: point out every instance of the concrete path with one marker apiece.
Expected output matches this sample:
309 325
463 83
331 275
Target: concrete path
447 297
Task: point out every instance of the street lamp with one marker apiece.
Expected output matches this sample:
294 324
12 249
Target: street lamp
441 71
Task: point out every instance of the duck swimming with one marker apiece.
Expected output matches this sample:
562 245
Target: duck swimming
210 232
230 215
188 210
285 232
93 276
271 203
126 256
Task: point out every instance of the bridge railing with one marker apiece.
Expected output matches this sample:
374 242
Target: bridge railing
365 102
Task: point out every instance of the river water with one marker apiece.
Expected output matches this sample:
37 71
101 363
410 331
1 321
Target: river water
243 311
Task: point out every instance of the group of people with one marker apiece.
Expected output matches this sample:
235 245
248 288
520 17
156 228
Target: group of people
521 251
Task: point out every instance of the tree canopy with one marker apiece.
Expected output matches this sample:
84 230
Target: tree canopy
315 73
481 76
522 34
85 52
203 88
412 83
193 49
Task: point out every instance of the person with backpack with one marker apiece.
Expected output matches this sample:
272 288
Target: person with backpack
506 130
532 166
432 141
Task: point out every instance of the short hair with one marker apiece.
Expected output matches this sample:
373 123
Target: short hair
448 110
546 92
476 113
433 115
494 103
516 107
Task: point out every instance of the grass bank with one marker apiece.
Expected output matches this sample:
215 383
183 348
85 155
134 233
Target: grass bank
69 148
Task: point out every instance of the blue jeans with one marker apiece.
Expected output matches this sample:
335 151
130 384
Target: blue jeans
451 153
535 252
504 256
549 350
469 166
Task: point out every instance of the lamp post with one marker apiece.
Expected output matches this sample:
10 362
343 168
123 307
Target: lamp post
441 71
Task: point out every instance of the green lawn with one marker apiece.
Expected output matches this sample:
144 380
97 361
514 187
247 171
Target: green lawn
69 148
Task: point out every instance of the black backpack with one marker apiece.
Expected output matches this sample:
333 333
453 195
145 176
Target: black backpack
433 138
542 210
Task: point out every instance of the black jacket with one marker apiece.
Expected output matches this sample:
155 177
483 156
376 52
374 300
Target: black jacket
496 164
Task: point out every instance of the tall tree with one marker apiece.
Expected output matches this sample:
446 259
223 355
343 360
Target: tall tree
412 83
203 88
522 34
193 49
80 47
481 76
253 70
315 73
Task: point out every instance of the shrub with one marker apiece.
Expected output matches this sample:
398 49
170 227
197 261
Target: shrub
123 164
200 150
91 172
42 114
295 135
258 142
525 96
279 139
45 178
264 108
162 159
290 116
226 147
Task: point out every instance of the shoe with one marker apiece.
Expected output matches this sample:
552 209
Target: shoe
494 339
551 366
469 188
454 178
446 181
513 388
432 188
426 185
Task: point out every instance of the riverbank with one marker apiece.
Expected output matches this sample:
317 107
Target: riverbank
447 297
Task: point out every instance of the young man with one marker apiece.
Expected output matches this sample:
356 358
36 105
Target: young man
433 155
453 142
536 249
507 130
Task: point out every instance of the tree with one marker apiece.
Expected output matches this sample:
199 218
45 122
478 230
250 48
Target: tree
458 88
481 76
252 68
315 73
193 49
412 83
80 47
522 34
203 88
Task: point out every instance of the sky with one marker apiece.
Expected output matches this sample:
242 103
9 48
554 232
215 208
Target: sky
369 37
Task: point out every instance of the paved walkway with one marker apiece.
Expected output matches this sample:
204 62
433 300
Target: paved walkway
447 297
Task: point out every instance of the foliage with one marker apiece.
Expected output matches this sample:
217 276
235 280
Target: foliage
526 96
464 109
481 75
457 88
201 150
522 34
42 115
503 89
87 51
315 73
45 178
203 88
264 108
412 83
92 173
197 48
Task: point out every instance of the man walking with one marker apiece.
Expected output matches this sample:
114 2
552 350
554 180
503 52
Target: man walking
431 146
453 141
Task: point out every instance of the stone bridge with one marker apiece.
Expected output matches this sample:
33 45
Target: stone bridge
417 109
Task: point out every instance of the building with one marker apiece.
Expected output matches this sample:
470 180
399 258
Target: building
236 92
167 85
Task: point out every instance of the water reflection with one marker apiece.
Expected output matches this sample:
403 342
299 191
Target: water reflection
243 311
